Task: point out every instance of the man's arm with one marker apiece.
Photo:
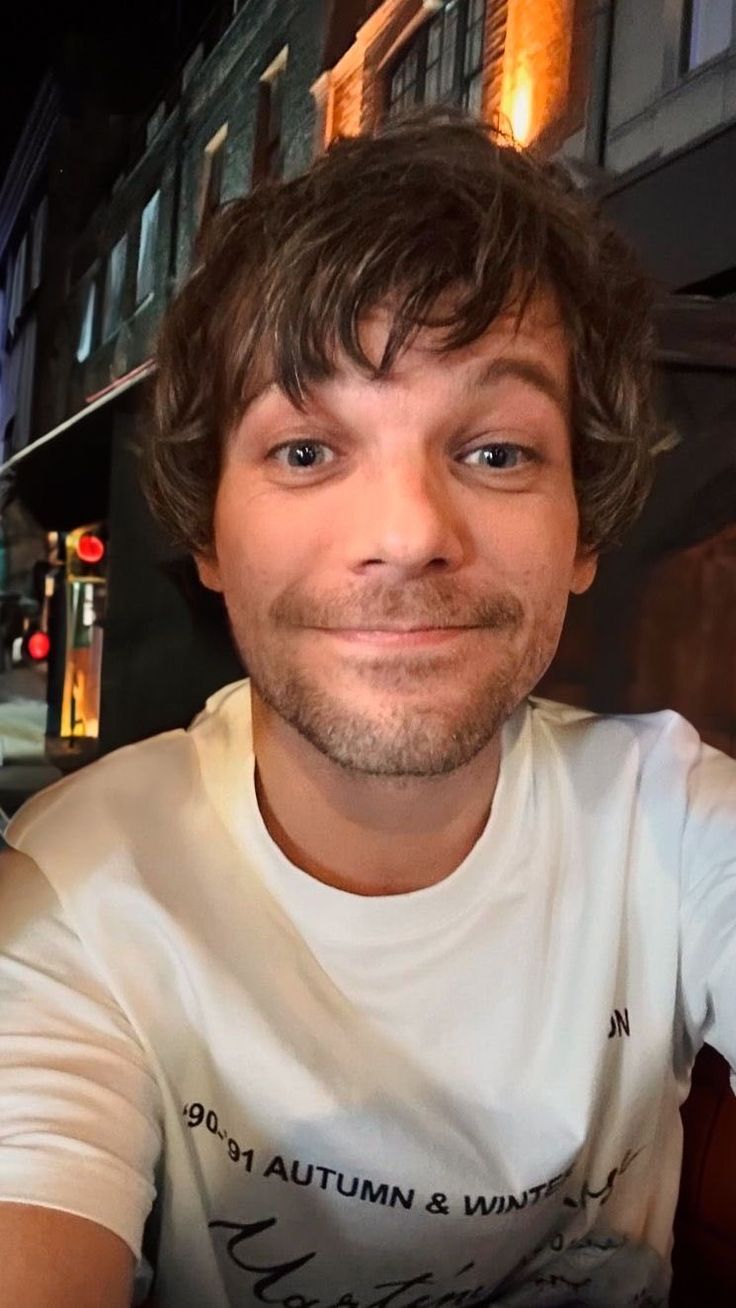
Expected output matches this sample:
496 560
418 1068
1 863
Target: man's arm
80 1112
52 1259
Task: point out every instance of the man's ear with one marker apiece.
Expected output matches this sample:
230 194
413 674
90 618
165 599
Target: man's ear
583 571
208 570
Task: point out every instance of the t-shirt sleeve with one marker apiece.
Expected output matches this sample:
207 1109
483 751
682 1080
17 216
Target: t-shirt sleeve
79 1107
708 924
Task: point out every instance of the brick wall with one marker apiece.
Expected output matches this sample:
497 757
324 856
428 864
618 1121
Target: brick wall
537 66
528 49
357 86
354 97
493 53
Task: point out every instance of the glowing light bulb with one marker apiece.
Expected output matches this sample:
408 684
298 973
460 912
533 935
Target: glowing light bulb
520 110
39 646
90 548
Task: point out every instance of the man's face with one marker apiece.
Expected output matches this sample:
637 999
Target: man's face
396 561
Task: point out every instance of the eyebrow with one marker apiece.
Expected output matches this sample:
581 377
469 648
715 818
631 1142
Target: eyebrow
489 373
525 370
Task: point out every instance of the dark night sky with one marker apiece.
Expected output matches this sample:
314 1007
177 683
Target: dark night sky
117 53
24 56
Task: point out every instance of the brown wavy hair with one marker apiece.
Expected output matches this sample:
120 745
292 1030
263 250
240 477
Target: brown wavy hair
431 203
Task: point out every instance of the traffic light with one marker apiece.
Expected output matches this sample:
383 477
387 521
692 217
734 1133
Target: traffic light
90 548
32 646
85 549
37 646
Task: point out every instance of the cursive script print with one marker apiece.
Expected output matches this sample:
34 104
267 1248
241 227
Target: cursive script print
275 1283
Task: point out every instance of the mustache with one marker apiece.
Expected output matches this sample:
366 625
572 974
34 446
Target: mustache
440 604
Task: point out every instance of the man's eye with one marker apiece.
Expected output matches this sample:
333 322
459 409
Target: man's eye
301 455
306 455
500 456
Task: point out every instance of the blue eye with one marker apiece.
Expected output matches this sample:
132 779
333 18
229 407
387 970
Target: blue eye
301 455
309 455
499 456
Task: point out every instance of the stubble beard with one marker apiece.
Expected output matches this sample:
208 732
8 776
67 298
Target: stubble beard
414 737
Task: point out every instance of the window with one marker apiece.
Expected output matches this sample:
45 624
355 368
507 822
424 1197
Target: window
708 30
38 241
444 61
87 320
146 275
114 285
211 188
268 154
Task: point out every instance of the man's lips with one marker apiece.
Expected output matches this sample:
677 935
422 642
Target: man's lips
402 626
396 636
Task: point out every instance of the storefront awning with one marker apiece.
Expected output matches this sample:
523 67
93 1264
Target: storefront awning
678 212
63 477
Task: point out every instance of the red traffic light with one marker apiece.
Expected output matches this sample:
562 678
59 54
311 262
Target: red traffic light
38 646
90 548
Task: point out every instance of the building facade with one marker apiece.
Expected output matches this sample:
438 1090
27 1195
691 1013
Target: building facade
23 226
24 204
659 146
619 91
266 87
238 107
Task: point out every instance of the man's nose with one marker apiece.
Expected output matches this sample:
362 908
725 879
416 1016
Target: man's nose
408 520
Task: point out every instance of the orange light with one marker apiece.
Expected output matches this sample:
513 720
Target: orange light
535 87
90 549
520 110
39 646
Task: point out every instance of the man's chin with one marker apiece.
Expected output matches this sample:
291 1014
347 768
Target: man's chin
425 732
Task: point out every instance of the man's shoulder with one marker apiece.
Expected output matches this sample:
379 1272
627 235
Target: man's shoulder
144 787
227 712
644 725
156 771
661 741
134 767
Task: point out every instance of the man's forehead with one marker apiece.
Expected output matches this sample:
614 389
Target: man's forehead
536 338
537 317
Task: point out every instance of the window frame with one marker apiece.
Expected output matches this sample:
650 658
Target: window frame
110 327
88 290
142 296
268 146
213 167
418 43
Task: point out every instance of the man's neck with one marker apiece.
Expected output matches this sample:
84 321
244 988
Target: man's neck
367 835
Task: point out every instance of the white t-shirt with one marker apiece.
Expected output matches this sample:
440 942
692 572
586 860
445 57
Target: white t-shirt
463 1095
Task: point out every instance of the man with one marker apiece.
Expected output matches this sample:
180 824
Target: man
384 979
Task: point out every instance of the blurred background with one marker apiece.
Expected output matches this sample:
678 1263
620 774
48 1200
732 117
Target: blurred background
125 126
